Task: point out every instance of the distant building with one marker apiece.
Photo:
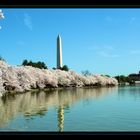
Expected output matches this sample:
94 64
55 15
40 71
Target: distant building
134 76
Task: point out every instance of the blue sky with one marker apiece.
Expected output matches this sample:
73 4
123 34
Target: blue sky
103 41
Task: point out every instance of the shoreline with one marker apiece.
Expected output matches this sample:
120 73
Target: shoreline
27 78
54 89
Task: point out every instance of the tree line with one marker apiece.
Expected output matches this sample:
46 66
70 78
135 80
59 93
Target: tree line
38 64
124 79
41 65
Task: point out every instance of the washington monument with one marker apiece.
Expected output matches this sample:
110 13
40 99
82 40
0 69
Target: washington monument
59 52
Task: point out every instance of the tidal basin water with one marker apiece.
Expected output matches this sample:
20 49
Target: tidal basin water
75 109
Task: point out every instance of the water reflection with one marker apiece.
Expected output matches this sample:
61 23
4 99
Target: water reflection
37 103
60 119
132 91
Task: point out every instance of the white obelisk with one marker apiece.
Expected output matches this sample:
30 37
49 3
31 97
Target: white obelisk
59 52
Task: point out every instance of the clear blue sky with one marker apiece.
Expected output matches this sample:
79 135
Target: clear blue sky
103 41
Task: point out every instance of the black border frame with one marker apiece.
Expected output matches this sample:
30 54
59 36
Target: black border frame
68 4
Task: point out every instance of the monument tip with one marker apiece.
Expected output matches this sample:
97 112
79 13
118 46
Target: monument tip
59 36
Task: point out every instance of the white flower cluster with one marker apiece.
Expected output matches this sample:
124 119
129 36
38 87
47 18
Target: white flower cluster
24 78
1 14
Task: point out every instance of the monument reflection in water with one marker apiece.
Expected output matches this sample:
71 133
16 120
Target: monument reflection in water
37 103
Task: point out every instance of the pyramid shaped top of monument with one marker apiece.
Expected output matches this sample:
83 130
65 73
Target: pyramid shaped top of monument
59 36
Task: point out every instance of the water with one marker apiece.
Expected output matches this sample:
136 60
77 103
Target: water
83 109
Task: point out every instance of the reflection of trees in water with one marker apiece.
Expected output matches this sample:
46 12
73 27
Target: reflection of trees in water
37 103
133 91
28 104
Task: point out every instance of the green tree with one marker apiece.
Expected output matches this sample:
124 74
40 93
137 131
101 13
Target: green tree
38 64
86 73
123 79
44 65
30 63
107 75
25 62
1 58
65 68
